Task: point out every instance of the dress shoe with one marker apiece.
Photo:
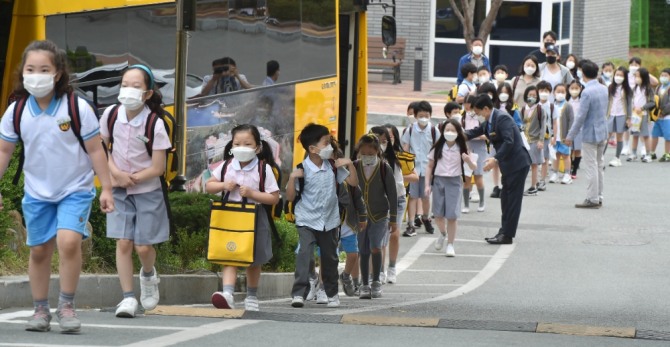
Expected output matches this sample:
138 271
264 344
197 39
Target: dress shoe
500 239
588 204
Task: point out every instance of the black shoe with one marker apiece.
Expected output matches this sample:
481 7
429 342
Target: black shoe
429 226
496 192
409 232
500 239
417 221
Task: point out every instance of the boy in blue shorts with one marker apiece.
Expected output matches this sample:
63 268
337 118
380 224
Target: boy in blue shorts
662 125
355 221
316 210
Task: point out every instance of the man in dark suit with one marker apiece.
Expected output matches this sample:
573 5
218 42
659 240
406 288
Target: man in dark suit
512 158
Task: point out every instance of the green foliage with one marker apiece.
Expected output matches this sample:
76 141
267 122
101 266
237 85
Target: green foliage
283 259
659 31
12 194
190 211
104 249
652 60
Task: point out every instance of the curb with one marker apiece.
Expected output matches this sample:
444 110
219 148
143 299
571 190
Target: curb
99 291
416 322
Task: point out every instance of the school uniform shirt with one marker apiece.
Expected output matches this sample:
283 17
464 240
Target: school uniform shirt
399 181
55 164
318 208
574 102
466 88
129 151
641 100
564 118
450 163
617 103
420 142
246 176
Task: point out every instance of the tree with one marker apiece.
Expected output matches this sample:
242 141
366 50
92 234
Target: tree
466 15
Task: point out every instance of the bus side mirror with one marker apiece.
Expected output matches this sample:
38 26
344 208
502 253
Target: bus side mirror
388 30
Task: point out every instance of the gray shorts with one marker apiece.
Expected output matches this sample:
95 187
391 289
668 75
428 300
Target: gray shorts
479 147
373 236
617 124
545 150
447 196
141 218
536 155
417 189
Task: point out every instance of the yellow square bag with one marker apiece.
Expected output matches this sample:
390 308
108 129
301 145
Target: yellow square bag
232 232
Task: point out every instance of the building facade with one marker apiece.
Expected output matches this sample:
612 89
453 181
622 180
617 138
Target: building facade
594 29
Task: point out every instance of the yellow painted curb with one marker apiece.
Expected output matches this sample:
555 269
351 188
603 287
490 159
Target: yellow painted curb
585 330
390 321
194 312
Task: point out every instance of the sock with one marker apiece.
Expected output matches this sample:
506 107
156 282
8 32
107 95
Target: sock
230 289
466 197
633 152
251 291
391 263
576 166
148 274
365 268
38 303
376 265
357 282
129 294
346 275
481 196
65 298
619 148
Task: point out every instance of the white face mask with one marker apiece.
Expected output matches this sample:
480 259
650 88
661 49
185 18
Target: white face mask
501 77
544 96
369 160
570 65
477 50
423 121
326 152
560 96
481 119
38 85
574 93
664 80
475 79
504 97
484 78
383 147
633 69
243 154
131 98
618 79
457 118
450 136
607 75
529 70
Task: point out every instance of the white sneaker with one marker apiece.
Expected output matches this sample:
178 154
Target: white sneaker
646 159
126 308
223 300
616 162
625 150
313 287
465 210
149 294
553 178
566 179
334 301
450 250
321 297
439 241
481 208
251 303
298 302
474 196
391 276
382 277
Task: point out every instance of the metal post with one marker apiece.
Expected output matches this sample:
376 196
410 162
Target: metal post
418 67
179 182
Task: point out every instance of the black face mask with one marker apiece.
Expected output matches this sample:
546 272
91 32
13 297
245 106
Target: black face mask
551 60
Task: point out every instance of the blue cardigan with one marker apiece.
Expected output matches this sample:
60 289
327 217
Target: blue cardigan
466 59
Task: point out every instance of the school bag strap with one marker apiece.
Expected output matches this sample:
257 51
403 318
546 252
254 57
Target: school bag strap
433 132
111 120
19 106
516 81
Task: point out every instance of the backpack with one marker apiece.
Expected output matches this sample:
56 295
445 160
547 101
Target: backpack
75 125
433 132
289 206
656 111
516 81
270 210
453 94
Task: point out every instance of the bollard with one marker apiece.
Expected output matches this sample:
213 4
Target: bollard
418 66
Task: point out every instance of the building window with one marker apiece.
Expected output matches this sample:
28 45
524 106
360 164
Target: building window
446 58
561 16
511 56
447 25
567 20
518 21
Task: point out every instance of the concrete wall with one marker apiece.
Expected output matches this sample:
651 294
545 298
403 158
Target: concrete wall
413 24
601 29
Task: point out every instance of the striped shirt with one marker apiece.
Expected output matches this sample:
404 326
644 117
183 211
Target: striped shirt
318 206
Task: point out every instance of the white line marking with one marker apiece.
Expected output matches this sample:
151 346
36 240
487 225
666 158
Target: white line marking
24 344
487 272
194 333
469 240
429 285
462 255
414 253
110 326
458 271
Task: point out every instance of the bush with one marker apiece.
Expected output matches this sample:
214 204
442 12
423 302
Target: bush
283 259
652 60
190 211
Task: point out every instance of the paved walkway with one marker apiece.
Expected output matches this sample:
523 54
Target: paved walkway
388 99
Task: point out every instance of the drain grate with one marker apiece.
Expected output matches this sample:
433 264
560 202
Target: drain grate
487 325
653 335
292 317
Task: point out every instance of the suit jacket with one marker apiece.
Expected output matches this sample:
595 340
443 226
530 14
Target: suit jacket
591 120
505 137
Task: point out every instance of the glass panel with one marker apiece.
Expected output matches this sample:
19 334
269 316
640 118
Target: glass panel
556 18
565 50
447 24
567 20
518 21
512 56
5 24
446 59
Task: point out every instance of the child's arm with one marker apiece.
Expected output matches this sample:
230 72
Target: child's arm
411 178
99 160
468 160
260 197
359 206
556 136
429 175
157 168
290 187
352 179
391 195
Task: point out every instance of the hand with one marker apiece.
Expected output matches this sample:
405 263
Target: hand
568 142
428 190
234 72
297 173
247 192
489 164
553 141
106 201
466 158
229 185
628 123
135 178
540 145
637 110
362 226
342 162
123 179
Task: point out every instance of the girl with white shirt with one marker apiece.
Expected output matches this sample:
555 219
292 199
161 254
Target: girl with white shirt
619 110
643 101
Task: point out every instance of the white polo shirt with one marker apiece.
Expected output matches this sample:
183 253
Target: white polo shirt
55 164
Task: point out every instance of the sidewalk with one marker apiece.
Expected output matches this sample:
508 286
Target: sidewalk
387 103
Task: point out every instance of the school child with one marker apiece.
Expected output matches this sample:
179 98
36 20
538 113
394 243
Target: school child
141 217
401 178
575 90
375 176
469 84
662 125
507 104
317 211
546 102
562 124
483 75
572 63
500 74
534 128
452 110
529 75
59 172
415 204
444 179
418 139
241 180
643 101
619 110
477 146
607 74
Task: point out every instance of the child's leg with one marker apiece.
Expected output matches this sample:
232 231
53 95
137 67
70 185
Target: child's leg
441 225
327 241
411 210
364 255
39 269
467 185
124 265
394 247
451 230
533 175
376 263
654 143
147 255
545 170
253 278
425 203
479 181
566 164
619 144
69 254
229 278
647 144
350 264
305 253
496 176
633 144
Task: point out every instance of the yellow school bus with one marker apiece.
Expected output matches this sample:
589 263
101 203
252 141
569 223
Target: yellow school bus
320 46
